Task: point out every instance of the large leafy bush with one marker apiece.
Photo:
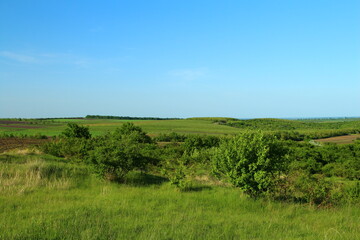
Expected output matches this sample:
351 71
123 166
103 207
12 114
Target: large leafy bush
117 153
250 161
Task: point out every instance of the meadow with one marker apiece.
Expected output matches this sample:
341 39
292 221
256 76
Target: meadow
295 129
100 126
43 197
166 179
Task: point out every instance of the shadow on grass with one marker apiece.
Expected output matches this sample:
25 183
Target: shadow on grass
196 188
144 179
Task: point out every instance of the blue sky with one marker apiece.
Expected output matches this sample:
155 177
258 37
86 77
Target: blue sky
244 59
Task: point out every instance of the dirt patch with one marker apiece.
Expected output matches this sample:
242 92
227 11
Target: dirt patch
13 143
340 139
19 126
11 122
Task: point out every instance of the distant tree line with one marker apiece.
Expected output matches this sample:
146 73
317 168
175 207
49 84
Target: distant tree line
127 117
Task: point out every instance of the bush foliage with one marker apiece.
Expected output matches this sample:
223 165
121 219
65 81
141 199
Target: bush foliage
250 161
260 164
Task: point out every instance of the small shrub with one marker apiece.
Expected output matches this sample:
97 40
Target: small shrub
114 159
300 186
130 132
175 171
75 148
73 130
170 137
200 142
353 192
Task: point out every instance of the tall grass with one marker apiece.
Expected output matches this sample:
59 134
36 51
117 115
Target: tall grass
19 174
63 201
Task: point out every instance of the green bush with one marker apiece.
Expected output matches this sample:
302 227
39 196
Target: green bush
315 189
200 142
353 192
170 137
76 148
250 161
113 160
73 130
176 171
117 153
130 132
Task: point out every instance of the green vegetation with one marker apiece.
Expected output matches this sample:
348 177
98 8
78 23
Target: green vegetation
43 197
127 117
75 131
297 129
285 129
255 162
125 184
100 126
252 161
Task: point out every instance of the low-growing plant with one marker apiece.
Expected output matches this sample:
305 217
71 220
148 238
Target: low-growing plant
114 160
130 132
353 192
75 148
314 189
170 137
73 130
176 171
198 142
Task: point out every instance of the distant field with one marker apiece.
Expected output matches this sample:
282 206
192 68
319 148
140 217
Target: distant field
318 128
325 120
340 139
100 126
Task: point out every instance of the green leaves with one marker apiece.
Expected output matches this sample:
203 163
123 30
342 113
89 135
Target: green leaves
73 130
250 161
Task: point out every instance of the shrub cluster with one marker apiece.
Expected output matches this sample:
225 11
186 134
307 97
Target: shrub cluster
170 137
112 156
261 164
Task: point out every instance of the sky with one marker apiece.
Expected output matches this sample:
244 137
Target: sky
180 58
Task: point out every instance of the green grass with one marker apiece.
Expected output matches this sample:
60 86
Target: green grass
49 198
152 127
211 126
284 124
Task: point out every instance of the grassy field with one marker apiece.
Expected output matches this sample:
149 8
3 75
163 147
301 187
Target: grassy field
211 126
44 197
100 126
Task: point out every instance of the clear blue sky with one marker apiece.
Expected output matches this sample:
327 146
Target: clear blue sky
244 59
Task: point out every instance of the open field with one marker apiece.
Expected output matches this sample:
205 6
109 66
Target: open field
100 126
210 126
68 202
172 192
340 139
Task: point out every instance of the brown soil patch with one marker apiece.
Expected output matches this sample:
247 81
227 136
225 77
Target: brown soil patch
340 139
19 126
11 122
13 143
